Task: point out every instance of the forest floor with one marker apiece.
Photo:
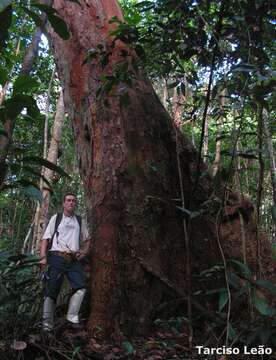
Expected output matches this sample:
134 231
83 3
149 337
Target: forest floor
67 343
71 344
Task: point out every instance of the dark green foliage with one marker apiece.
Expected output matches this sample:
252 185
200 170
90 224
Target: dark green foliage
55 20
13 107
5 21
49 165
57 23
24 84
20 296
246 328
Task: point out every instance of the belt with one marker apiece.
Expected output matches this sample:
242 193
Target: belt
64 254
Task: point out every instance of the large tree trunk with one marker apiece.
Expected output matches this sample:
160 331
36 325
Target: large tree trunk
128 164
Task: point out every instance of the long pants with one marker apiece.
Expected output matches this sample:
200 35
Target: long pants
58 267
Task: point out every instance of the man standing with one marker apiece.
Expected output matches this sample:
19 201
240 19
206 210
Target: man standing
62 238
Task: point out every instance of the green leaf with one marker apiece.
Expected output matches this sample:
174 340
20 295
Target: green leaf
16 168
57 23
232 332
234 280
140 51
223 299
24 83
91 54
247 156
39 175
115 20
16 258
28 188
261 305
184 212
145 5
3 76
5 21
273 250
17 103
36 18
267 285
46 163
45 8
128 348
214 291
4 4
189 214
77 348
244 67
245 269
243 290
26 183
59 26
195 214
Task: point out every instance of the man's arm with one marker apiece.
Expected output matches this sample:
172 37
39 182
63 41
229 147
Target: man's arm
86 241
43 251
84 251
48 235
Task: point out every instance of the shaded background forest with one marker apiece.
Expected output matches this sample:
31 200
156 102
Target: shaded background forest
213 67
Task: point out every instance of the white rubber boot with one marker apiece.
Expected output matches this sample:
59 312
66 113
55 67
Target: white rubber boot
48 314
74 306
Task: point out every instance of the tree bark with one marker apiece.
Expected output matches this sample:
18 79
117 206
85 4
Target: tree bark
206 140
272 162
269 145
177 109
177 119
31 53
126 165
216 164
260 185
165 94
42 210
127 159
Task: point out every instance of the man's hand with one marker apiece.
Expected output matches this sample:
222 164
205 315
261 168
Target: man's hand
80 254
43 263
